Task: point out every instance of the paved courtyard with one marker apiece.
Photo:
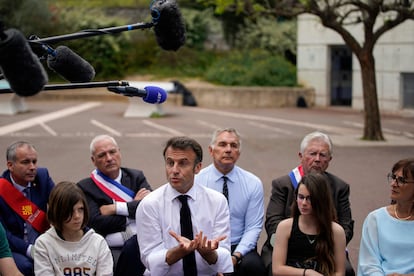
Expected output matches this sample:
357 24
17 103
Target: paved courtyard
62 131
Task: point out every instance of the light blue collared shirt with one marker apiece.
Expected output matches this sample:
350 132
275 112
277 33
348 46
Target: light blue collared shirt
386 246
18 186
246 203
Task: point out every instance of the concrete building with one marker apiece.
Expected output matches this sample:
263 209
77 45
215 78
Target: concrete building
325 63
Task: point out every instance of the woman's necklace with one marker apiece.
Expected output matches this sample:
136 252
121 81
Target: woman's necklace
310 240
396 215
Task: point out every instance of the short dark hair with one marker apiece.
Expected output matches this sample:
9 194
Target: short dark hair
183 143
63 197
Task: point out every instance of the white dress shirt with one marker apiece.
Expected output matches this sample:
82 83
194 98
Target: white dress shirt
159 212
118 239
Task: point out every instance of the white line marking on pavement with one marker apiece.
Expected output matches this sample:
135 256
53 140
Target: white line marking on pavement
48 129
384 129
338 130
106 128
163 128
148 134
353 124
207 124
275 129
46 118
408 134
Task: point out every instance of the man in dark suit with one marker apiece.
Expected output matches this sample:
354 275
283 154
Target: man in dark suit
315 155
113 194
24 193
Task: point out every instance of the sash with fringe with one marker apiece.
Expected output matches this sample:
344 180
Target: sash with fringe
296 175
111 188
22 206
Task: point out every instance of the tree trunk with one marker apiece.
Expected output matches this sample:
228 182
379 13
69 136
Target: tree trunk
372 119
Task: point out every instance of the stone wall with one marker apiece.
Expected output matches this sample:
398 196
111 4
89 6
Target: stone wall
208 96
252 97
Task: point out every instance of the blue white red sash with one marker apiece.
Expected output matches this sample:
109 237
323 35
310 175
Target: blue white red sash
296 175
112 188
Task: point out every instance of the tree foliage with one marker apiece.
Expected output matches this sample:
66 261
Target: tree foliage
235 68
19 14
375 17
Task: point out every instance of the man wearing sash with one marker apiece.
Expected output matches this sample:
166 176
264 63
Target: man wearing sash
24 192
314 155
113 194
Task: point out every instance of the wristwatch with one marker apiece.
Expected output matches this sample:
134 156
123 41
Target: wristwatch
238 259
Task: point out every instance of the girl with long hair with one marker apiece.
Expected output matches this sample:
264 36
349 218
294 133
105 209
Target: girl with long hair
310 242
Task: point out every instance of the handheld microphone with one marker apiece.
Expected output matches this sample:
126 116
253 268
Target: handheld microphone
168 24
70 65
150 94
20 66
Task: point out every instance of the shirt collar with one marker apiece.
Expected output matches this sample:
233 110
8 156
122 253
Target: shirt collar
19 187
218 175
173 194
118 179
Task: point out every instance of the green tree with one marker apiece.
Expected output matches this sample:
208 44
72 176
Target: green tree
19 14
375 16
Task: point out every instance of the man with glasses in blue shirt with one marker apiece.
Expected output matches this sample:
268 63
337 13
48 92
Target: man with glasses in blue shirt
315 155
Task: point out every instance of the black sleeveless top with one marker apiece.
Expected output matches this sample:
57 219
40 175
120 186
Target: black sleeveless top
301 248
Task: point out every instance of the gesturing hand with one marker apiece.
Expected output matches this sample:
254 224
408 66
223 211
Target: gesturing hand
205 244
207 248
184 243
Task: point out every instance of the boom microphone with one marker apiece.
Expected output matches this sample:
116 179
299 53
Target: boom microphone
168 24
20 66
150 94
70 65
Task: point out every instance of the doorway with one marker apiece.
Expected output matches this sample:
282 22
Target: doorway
341 75
408 90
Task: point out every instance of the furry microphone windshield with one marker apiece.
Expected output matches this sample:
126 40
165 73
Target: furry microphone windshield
20 66
168 24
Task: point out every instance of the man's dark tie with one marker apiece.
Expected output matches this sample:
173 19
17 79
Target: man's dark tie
225 188
189 262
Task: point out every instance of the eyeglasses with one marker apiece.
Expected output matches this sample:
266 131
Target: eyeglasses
399 179
301 197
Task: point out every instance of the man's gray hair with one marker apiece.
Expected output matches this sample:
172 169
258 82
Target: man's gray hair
11 150
100 138
219 131
316 135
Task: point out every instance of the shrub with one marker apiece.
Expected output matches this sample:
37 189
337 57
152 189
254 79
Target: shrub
252 68
105 52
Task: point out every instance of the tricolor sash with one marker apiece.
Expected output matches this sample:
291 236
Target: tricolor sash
112 188
296 175
22 206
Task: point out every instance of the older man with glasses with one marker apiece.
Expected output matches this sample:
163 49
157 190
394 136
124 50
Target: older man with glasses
314 155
